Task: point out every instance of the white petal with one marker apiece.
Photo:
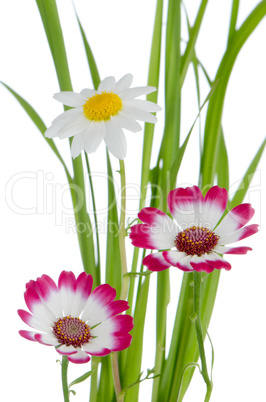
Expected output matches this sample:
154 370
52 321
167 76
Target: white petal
138 114
115 139
87 93
127 122
93 136
70 98
124 83
77 145
75 127
143 105
61 121
131 93
107 84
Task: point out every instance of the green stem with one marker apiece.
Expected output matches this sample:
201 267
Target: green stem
116 377
200 338
64 366
122 224
94 378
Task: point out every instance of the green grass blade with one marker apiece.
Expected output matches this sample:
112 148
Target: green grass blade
106 391
113 257
51 23
193 36
90 58
170 141
131 371
162 301
180 153
215 108
153 80
52 26
233 19
186 346
36 119
222 167
245 182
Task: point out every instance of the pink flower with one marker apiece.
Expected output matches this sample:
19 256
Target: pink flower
76 320
197 238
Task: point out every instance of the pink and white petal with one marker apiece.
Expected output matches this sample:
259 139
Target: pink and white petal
116 307
107 84
97 306
178 259
235 219
113 333
185 205
29 335
38 307
141 236
49 292
68 98
240 234
67 350
127 122
124 83
66 284
161 225
152 236
131 93
77 145
110 310
118 323
32 321
84 284
232 250
155 262
139 114
75 127
217 262
115 139
213 207
83 287
79 358
143 105
97 346
47 339
200 264
121 341
93 136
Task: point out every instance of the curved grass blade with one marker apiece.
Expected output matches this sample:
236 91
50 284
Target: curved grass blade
215 108
90 58
245 182
193 36
36 119
52 26
113 257
180 153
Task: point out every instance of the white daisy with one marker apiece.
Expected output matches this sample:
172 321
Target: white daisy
102 115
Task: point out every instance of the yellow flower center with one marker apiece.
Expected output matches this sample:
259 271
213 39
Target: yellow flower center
102 106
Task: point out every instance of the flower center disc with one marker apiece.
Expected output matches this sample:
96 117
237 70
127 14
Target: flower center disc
196 240
102 106
71 331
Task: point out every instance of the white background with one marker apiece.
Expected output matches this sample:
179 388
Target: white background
36 221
